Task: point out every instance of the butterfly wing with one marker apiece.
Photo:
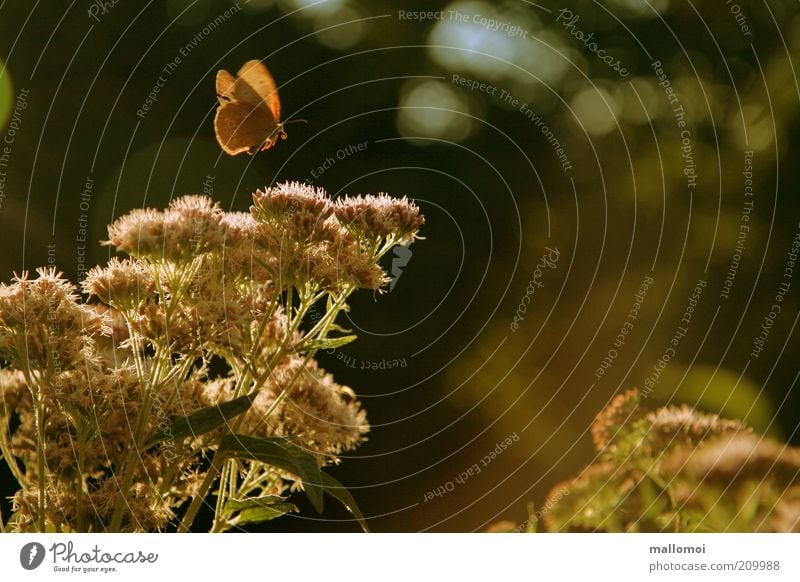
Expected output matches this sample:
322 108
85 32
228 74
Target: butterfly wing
225 83
241 127
258 79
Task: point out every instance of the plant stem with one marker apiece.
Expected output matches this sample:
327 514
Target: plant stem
198 499
129 464
40 461
221 494
79 494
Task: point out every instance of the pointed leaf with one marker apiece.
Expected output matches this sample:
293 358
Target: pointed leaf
282 453
202 421
339 328
337 490
258 510
326 343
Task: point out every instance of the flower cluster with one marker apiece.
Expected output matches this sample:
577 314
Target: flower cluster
122 412
677 469
190 226
376 217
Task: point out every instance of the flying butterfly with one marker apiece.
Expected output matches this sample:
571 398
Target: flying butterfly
249 114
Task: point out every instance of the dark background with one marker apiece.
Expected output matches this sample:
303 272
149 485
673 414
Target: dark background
494 195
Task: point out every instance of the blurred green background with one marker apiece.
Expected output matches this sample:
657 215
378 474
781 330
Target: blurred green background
483 163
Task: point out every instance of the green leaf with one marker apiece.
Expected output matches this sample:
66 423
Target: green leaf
326 343
6 94
339 328
280 452
337 490
202 421
259 509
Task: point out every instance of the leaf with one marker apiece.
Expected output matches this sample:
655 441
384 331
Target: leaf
202 421
280 452
337 327
337 490
326 343
259 509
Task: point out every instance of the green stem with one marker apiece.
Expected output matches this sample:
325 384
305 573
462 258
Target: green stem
38 418
224 478
169 476
129 463
153 381
79 495
40 461
330 316
198 499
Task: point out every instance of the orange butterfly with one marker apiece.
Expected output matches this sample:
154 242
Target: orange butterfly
249 114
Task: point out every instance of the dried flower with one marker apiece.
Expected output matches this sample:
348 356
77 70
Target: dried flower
674 426
42 325
678 469
241 255
623 409
101 430
124 284
736 455
298 210
376 217
192 225
340 264
324 415
139 233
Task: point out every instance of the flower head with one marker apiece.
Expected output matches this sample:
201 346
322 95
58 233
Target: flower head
380 216
121 283
192 225
242 255
324 415
342 262
41 322
138 233
298 210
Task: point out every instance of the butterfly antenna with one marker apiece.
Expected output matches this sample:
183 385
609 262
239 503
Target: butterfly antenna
295 121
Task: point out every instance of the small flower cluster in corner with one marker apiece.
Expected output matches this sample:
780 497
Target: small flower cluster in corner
677 469
674 469
191 371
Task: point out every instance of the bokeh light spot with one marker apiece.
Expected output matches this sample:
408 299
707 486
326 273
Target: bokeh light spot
596 109
434 109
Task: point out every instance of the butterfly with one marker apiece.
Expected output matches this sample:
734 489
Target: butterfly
248 118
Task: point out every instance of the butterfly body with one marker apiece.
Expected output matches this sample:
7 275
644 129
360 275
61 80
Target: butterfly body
248 118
